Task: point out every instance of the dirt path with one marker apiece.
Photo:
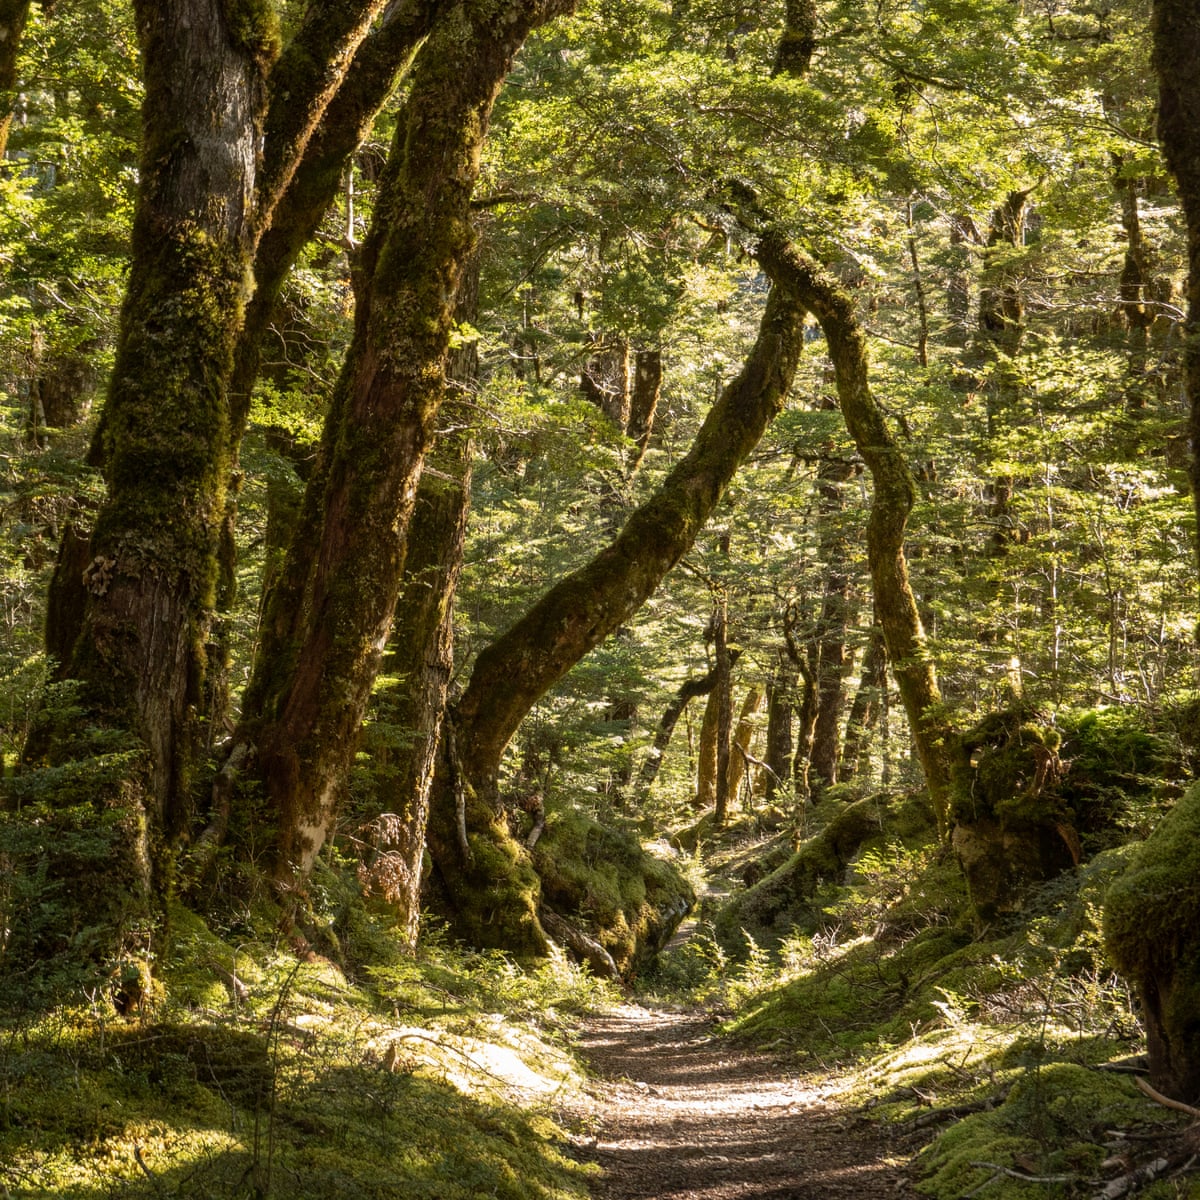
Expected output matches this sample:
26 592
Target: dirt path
682 1115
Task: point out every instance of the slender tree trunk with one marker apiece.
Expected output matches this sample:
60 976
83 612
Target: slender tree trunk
743 739
832 658
781 698
1135 315
892 502
666 727
722 695
707 754
864 709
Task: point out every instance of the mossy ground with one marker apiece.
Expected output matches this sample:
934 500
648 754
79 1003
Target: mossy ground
996 1050
251 1073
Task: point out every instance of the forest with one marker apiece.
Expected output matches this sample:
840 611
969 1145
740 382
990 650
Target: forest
519 511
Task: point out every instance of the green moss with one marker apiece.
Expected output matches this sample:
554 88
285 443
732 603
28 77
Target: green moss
253 27
601 877
1053 1122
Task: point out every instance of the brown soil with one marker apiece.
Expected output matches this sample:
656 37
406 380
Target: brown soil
683 1115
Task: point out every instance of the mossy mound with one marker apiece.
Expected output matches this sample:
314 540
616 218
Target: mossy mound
1051 1130
1152 931
604 879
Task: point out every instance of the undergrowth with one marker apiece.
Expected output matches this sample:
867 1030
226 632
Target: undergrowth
1004 1063
252 1074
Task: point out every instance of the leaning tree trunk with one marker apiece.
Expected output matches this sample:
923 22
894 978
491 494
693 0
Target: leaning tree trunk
891 504
666 727
572 618
328 619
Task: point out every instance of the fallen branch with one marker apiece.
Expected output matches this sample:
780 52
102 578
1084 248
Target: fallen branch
1132 1180
987 1166
1166 1101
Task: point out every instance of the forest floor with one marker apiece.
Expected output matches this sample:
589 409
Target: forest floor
683 1114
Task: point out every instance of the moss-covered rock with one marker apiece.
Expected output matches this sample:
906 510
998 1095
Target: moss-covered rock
1152 932
603 879
1012 827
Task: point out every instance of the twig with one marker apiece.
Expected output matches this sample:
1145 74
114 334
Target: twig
141 1162
987 1166
1124 1184
1166 1101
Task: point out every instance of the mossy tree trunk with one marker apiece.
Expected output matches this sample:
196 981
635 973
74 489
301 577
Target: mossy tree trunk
1176 28
571 619
422 645
891 504
832 657
421 659
327 621
13 15
227 116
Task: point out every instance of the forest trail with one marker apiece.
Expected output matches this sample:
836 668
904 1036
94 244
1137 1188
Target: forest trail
684 1115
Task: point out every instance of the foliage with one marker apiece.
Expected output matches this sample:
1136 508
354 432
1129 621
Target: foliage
257 1074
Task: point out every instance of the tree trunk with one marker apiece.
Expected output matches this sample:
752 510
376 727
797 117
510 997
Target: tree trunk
743 740
666 726
722 697
830 636
421 659
643 407
865 708
1176 46
328 619
891 504
581 610
781 697
799 40
13 15
705 798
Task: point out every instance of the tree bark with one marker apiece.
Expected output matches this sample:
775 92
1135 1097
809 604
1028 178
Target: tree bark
421 659
891 504
328 619
743 739
643 406
832 660
666 727
13 15
865 708
1176 28
781 698
798 42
